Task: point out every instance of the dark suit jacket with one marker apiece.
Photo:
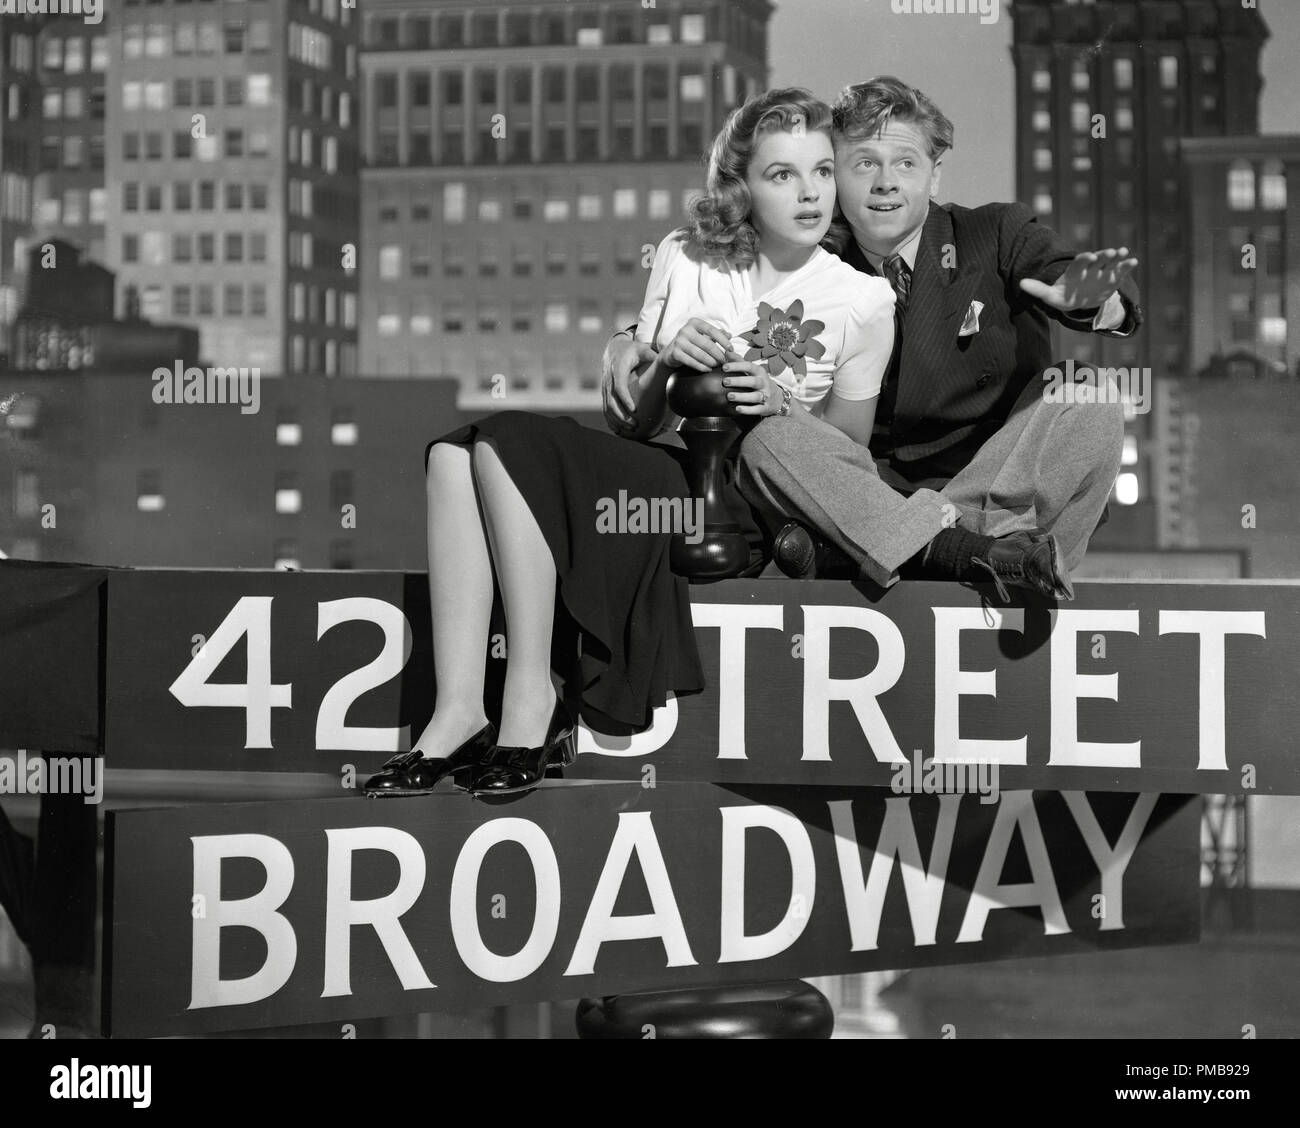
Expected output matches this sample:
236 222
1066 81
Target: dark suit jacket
954 392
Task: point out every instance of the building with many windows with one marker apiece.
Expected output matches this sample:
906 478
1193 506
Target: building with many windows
523 161
232 155
1105 94
1243 298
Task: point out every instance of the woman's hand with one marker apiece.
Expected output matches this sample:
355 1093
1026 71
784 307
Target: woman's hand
698 345
751 390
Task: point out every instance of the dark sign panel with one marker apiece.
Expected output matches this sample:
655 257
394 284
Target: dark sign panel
1172 687
239 916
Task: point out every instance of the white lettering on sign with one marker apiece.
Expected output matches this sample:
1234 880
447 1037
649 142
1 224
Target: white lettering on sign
1068 685
259 912
635 835
332 729
952 683
924 882
383 914
1212 627
923 888
820 689
1111 863
732 621
736 822
1015 811
480 959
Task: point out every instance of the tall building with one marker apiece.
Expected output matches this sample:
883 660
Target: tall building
19 145
1244 277
1105 93
523 160
52 181
231 137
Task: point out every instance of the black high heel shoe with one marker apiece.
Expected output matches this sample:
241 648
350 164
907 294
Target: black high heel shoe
413 773
510 770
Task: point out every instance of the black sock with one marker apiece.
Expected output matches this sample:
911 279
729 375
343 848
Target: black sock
948 555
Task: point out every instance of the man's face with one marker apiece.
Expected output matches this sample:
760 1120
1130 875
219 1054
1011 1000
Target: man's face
884 184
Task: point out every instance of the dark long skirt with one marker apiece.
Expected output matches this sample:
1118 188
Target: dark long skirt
637 642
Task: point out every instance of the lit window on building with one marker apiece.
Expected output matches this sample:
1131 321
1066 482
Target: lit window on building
1123 74
1041 82
1169 72
589 319
1043 203
692 88
556 317
555 211
1127 489
1129 456
421 324
149 495
1272 187
1042 121
259 90
1080 116
390 262
589 206
285 555
343 429
453 202
1042 159
388 325
624 203
692 29
659 33
590 37
1241 187
489 209
1079 79
1124 118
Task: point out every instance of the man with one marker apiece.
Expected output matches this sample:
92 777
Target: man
972 472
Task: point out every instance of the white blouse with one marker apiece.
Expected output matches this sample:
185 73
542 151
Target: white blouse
857 310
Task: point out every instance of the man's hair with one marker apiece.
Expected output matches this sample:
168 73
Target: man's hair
865 108
719 225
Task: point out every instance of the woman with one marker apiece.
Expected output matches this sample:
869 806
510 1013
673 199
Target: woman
520 494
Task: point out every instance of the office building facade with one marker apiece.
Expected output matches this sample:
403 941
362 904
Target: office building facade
231 151
522 163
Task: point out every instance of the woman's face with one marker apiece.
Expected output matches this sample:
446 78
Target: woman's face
791 181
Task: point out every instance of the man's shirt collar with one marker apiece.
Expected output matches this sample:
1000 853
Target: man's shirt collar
907 250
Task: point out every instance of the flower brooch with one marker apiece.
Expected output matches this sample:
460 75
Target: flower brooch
784 339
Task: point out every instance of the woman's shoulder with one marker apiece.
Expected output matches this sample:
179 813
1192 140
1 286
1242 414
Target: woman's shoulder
865 296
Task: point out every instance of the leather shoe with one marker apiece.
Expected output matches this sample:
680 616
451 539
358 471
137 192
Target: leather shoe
802 554
1029 559
413 773
508 770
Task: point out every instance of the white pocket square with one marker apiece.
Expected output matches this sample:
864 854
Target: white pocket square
971 325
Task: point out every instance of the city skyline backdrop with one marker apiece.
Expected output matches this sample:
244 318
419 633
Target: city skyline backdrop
819 44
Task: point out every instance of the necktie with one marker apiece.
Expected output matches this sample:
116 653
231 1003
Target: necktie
900 278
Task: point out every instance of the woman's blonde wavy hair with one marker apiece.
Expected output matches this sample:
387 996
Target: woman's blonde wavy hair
718 222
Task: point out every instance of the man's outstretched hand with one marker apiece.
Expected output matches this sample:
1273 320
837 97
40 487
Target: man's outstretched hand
1087 283
618 391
